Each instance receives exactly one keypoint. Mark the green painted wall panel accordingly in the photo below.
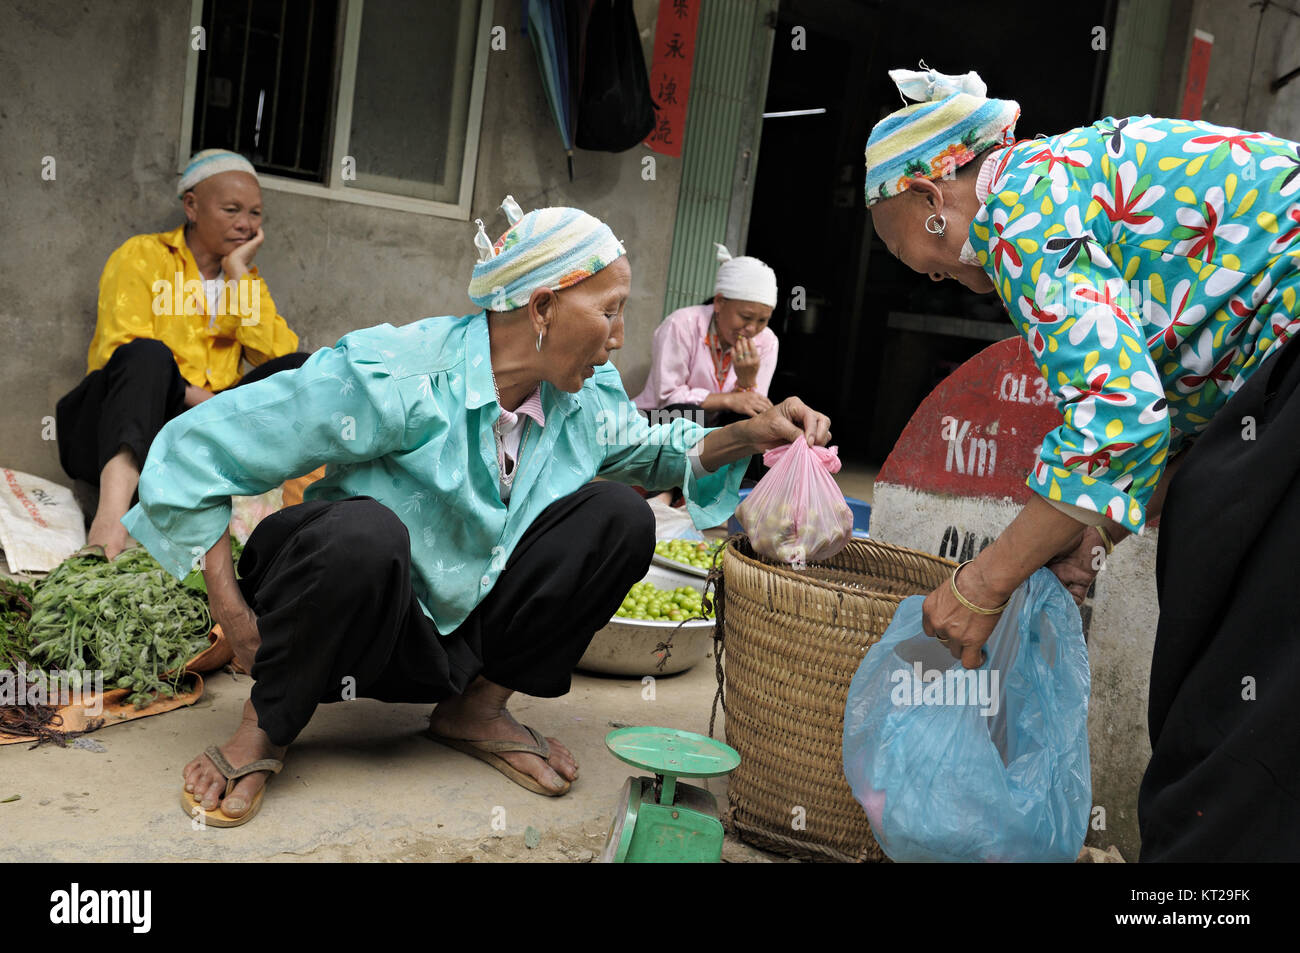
(1136, 57)
(725, 46)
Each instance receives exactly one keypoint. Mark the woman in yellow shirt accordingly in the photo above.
(178, 311)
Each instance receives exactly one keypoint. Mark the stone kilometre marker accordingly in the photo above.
(956, 478)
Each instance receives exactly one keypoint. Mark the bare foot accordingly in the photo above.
(249, 743)
(117, 483)
(478, 716)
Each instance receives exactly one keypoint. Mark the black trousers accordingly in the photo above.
(330, 582)
(1224, 779)
(126, 402)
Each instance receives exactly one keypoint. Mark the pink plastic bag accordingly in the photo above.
(797, 514)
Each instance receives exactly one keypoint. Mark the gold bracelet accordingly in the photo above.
(1105, 539)
(970, 605)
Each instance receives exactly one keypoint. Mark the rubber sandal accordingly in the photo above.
(489, 753)
(219, 818)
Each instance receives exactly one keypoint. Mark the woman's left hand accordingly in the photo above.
(963, 632)
(787, 422)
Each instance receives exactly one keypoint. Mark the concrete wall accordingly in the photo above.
(1236, 95)
(99, 87)
(1283, 116)
(1121, 639)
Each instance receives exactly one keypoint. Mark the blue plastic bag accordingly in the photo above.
(989, 764)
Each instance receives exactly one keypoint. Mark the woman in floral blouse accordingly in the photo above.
(1152, 267)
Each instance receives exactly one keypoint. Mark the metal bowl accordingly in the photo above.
(627, 646)
(674, 566)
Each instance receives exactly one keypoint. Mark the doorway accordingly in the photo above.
(866, 347)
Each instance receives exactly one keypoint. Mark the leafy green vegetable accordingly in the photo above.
(15, 614)
(127, 618)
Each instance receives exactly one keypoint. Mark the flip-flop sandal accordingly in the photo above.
(219, 818)
(489, 753)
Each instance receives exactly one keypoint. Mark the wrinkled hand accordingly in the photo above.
(239, 624)
(196, 395)
(1079, 567)
(748, 402)
(786, 422)
(963, 632)
(236, 264)
(744, 358)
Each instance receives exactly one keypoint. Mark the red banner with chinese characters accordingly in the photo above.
(670, 76)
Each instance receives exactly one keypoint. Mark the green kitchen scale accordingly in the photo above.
(657, 819)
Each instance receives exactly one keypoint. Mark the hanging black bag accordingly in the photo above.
(615, 111)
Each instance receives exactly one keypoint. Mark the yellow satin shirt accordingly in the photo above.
(151, 288)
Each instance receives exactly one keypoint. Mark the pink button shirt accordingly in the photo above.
(511, 425)
(681, 368)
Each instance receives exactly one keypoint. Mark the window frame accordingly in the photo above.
(345, 83)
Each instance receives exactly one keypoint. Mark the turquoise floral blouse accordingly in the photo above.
(1151, 265)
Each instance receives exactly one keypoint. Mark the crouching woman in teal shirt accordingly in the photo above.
(457, 550)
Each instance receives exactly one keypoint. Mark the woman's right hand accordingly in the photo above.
(744, 358)
(748, 402)
(1079, 567)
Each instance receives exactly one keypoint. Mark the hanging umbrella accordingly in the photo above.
(555, 27)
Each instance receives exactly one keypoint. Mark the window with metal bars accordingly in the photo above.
(265, 83)
(370, 101)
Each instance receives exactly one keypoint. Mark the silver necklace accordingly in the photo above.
(507, 479)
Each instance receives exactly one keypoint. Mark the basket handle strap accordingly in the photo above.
(717, 582)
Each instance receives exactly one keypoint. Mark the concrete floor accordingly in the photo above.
(360, 784)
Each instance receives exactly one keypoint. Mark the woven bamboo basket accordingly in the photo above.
(793, 640)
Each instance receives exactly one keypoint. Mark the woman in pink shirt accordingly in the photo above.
(714, 362)
(719, 357)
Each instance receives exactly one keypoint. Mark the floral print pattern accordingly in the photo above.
(1152, 265)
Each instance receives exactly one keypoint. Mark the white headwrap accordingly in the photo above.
(745, 279)
(210, 162)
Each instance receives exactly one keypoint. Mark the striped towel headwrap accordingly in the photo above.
(547, 248)
(210, 162)
(933, 138)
